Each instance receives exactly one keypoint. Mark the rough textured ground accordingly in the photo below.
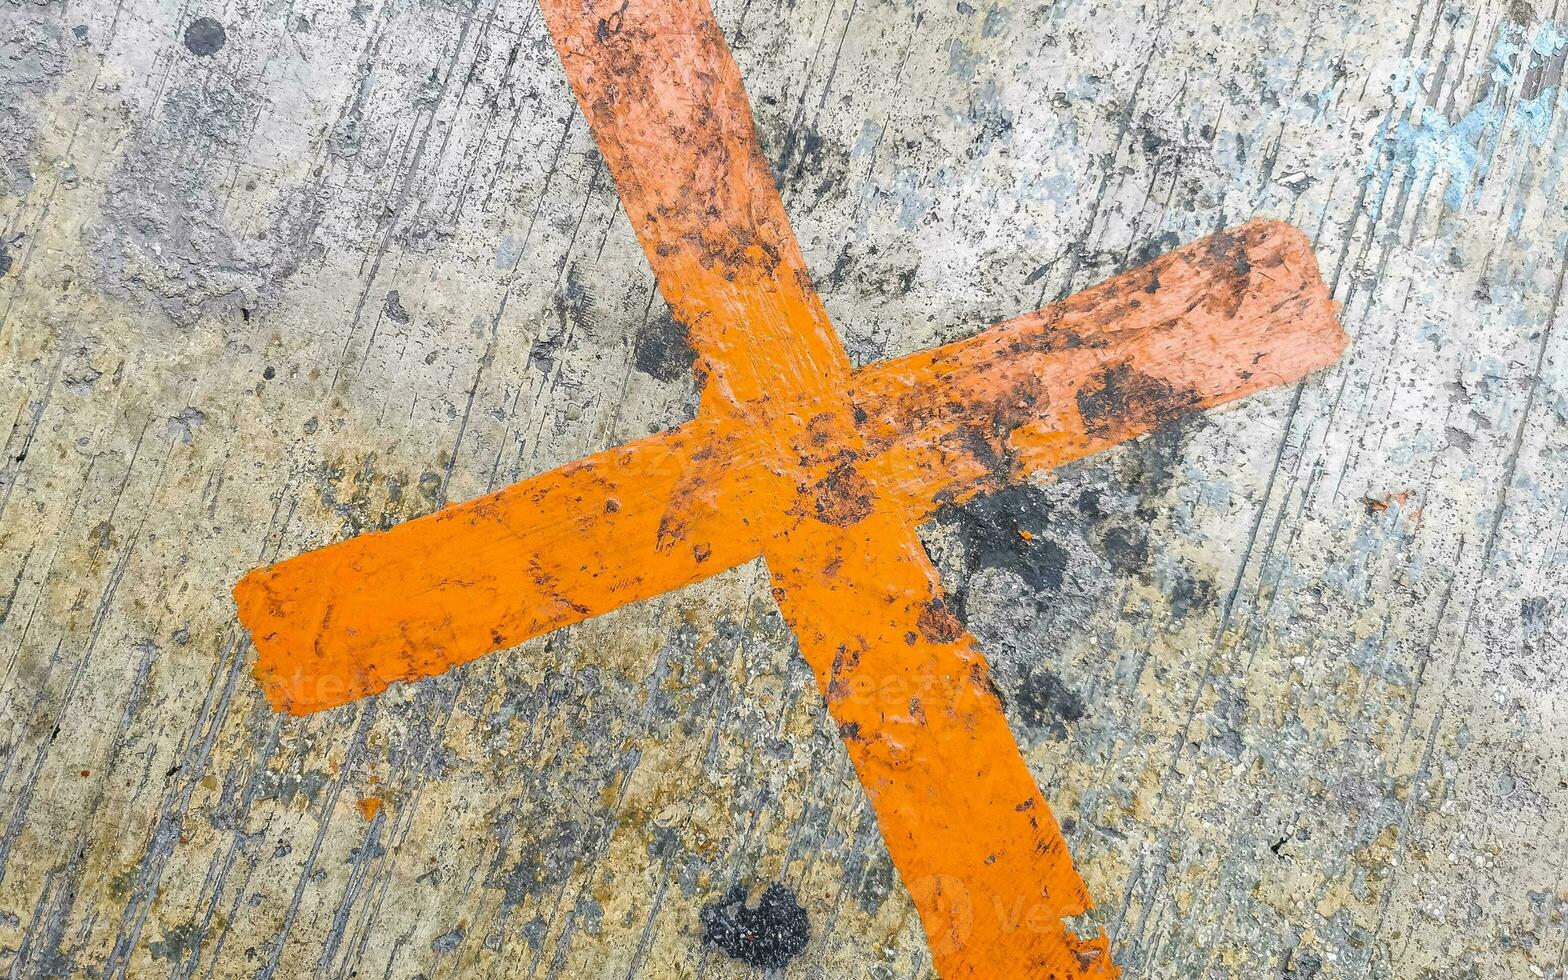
(273, 273)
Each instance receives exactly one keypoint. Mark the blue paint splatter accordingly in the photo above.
(1428, 144)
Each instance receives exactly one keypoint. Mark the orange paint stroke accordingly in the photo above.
(823, 471)
(655, 515)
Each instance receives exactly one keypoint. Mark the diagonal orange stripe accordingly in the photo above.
(1214, 321)
(960, 813)
(342, 622)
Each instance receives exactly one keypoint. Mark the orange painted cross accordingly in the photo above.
(822, 470)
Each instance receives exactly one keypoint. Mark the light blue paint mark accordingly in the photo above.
(866, 143)
(1536, 114)
(1550, 40)
(1086, 88)
(1229, 152)
(1368, 653)
(507, 253)
(1061, 189)
(995, 20)
(962, 63)
(1321, 101)
(1462, 150)
(1420, 446)
(1344, 578)
(913, 202)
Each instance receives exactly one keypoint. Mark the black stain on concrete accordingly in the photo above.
(544, 354)
(1126, 548)
(175, 943)
(1189, 593)
(5, 259)
(394, 307)
(768, 935)
(1024, 530)
(663, 349)
(1153, 250)
(1043, 700)
(1147, 470)
(205, 37)
(1122, 542)
(1303, 965)
(992, 531)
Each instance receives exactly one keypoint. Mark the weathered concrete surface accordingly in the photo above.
(1291, 675)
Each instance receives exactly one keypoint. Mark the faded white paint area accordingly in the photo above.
(274, 274)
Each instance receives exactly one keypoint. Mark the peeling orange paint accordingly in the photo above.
(822, 470)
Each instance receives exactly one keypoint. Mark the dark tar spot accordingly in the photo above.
(663, 350)
(1303, 965)
(767, 936)
(1126, 548)
(1154, 248)
(1189, 594)
(989, 529)
(1043, 700)
(204, 37)
(1534, 612)
(395, 310)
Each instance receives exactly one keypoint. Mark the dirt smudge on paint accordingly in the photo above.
(1120, 395)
